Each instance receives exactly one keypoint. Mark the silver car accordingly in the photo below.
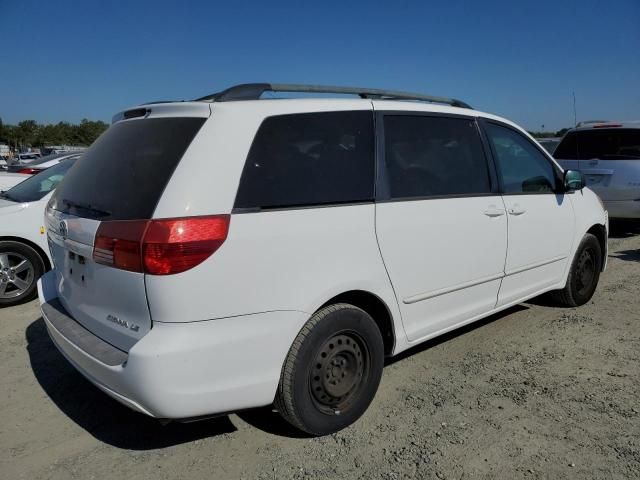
(609, 156)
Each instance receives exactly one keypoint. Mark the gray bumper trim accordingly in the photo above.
(80, 336)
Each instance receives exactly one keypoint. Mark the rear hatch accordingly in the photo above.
(118, 181)
(609, 158)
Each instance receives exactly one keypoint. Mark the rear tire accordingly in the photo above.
(20, 268)
(332, 370)
(583, 276)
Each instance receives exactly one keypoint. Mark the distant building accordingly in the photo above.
(5, 151)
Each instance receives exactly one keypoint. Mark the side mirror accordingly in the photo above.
(574, 180)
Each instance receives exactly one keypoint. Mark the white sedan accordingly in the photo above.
(38, 164)
(24, 254)
(8, 180)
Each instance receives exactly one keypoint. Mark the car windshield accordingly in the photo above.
(36, 187)
(27, 157)
(604, 144)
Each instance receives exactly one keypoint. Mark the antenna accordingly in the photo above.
(575, 125)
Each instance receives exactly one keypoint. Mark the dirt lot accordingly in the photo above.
(535, 392)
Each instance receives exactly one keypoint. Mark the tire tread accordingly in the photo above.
(284, 397)
(565, 297)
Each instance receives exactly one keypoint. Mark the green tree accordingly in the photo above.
(29, 133)
(87, 132)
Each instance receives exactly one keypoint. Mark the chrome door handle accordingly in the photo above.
(494, 212)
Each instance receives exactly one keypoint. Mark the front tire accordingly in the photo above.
(20, 268)
(332, 371)
(584, 274)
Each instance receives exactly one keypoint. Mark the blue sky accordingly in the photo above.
(64, 60)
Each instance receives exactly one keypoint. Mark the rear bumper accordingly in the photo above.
(181, 370)
(623, 208)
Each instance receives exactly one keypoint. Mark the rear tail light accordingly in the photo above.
(159, 247)
(175, 245)
(118, 244)
(29, 171)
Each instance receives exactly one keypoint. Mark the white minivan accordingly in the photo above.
(235, 252)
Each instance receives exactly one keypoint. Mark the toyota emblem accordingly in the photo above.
(63, 229)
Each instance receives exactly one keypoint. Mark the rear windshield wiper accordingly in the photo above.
(97, 212)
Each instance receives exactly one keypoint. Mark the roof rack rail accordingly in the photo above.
(253, 91)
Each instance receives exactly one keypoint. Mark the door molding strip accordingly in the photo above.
(535, 265)
(442, 291)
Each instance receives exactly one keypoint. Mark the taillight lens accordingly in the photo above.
(29, 171)
(160, 247)
(178, 244)
(118, 244)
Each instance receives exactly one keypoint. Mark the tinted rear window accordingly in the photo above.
(123, 174)
(605, 144)
(309, 159)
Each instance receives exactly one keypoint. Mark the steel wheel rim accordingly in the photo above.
(585, 271)
(17, 274)
(339, 372)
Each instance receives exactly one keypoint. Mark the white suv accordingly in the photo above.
(608, 153)
(232, 252)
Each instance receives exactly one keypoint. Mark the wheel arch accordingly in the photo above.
(600, 232)
(35, 246)
(374, 306)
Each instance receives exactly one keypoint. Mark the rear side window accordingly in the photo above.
(123, 174)
(523, 168)
(605, 144)
(434, 156)
(309, 159)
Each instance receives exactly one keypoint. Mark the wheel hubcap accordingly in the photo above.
(16, 274)
(338, 372)
(585, 271)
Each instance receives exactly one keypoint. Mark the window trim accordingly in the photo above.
(242, 210)
(382, 181)
(558, 174)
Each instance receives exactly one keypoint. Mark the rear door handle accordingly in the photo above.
(494, 212)
(517, 210)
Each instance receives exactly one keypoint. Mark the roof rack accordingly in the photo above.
(253, 91)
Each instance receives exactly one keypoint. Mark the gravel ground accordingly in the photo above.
(534, 392)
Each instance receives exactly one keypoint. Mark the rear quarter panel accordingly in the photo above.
(294, 259)
(279, 260)
(27, 223)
